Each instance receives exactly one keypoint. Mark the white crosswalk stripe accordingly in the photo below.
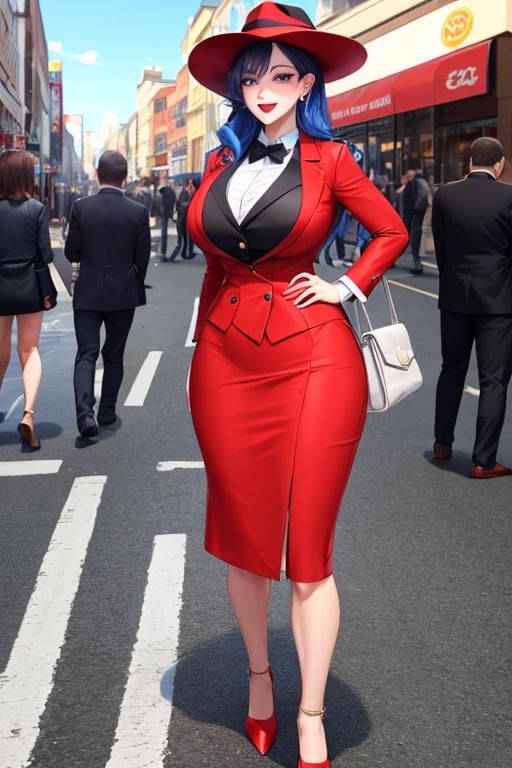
(33, 467)
(142, 383)
(146, 709)
(27, 680)
(26, 684)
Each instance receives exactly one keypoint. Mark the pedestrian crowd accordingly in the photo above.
(486, 295)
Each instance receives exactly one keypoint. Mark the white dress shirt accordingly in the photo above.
(249, 183)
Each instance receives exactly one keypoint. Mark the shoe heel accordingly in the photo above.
(27, 432)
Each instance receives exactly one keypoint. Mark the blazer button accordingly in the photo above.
(267, 296)
(242, 246)
(234, 299)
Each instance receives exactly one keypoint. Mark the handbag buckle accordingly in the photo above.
(403, 356)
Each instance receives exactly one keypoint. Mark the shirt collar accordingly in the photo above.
(110, 186)
(289, 139)
(482, 170)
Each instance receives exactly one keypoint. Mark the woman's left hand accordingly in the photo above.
(305, 289)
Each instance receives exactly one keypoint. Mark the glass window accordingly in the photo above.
(417, 151)
(160, 143)
(452, 147)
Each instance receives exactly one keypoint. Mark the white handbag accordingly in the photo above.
(391, 366)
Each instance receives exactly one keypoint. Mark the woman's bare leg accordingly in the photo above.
(250, 596)
(5, 344)
(29, 330)
(315, 617)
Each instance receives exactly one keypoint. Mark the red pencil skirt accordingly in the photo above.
(278, 426)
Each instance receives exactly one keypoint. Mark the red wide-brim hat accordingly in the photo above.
(210, 60)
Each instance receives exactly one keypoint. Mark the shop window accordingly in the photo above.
(417, 131)
(453, 143)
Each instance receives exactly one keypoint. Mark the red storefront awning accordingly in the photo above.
(457, 76)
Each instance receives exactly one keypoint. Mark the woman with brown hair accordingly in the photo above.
(24, 234)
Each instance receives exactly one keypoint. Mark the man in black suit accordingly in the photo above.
(168, 196)
(184, 242)
(109, 236)
(472, 229)
(414, 206)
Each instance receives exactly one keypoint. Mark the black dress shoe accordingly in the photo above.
(88, 428)
(106, 420)
(416, 271)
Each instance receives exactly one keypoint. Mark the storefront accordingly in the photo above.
(426, 116)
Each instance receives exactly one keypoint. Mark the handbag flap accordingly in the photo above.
(392, 345)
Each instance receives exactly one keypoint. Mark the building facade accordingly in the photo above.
(437, 77)
(24, 85)
(150, 82)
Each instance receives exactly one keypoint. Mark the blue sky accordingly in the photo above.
(104, 46)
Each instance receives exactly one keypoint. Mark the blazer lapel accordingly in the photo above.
(312, 179)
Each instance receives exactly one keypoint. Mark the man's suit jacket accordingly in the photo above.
(472, 229)
(168, 201)
(109, 236)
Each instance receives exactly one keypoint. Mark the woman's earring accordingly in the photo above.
(302, 98)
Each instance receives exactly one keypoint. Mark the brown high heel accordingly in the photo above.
(262, 733)
(313, 713)
(26, 430)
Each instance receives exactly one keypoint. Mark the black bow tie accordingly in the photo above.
(276, 152)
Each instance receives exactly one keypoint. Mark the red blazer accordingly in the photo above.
(250, 295)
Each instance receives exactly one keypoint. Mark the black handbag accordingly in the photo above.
(19, 288)
(47, 289)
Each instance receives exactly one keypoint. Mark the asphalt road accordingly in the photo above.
(118, 646)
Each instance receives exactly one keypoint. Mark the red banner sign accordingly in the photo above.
(451, 78)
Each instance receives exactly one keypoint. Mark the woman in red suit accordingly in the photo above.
(274, 342)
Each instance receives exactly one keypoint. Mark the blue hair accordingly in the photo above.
(242, 126)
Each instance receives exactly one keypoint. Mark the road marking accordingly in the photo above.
(413, 289)
(27, 680)
(62, 291)
(142, 383)
(34, 467)
(472, 391)
(168, 466)
(13, 407)
(142, 729)
(192, 325)
(98, 381)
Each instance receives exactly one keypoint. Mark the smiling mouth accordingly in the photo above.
(266, 107)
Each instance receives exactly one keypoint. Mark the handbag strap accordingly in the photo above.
(360, 308)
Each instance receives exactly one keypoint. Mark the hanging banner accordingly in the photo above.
(56, 126)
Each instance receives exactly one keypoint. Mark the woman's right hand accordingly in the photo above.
(306, 288)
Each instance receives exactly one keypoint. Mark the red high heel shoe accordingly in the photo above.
(262, 733)
(313, 713)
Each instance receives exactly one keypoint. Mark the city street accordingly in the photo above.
(118, 648)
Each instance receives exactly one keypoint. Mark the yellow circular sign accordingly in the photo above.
(456, 27)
